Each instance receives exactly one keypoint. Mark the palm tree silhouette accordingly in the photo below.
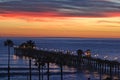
(8, 43)
(30, 44)
(80, 52)
(23, 45)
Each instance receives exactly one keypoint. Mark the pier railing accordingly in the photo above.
(112, 68)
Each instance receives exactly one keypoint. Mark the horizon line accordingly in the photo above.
(58, 37)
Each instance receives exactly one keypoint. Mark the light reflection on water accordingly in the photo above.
(96, 75)
(100, 47)
(79, 75)
(15, 57)
(69, 69)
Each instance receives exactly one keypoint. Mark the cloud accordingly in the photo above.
(115, 1)
(62, 8)
(2, 1)
(105, 21)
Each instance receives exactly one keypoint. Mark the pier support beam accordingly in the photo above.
(39, 71)
(8, 72)
(110, 70)
(61, 69)
(42, 72)
(8, 63)
(48, 71)
(30, 72)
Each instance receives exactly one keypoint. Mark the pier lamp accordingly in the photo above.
(115, 58)
(96, 55)
(45, 49)
(41, 48)
(105, 57)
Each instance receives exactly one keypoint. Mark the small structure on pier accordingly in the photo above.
(88, 53)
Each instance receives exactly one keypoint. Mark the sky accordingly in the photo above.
(60, 18)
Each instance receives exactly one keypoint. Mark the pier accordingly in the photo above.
(111, 68)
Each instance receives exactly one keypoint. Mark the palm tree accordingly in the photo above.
(30, 44)
(23, 45)
(79, 59)
(80, 52)
(8, 43)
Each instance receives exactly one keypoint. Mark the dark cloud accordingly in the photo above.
(85, 8)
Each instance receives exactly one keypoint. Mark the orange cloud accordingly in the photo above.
(36, 16)
(113, 14)
(50, 25)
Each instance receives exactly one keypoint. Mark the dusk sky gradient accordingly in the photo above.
(60, 18)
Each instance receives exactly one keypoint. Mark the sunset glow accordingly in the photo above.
(65, 22)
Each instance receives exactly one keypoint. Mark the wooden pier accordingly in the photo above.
(112, 68)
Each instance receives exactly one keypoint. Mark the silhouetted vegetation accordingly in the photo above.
(9, 43)
(28, 44)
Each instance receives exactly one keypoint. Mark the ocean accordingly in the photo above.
(103, 48)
